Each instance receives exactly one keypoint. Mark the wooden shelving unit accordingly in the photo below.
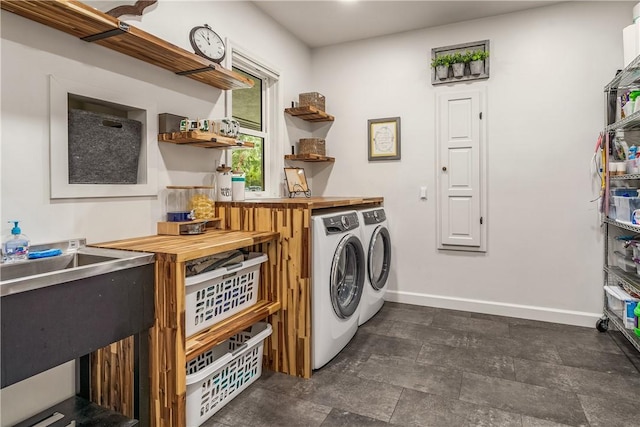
(310, 114)
(169, 348)
(203, 139)
(309, 158)
(91, 25)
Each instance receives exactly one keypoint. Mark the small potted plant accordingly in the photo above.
(476, 65)
(457, 60)
(441, 64)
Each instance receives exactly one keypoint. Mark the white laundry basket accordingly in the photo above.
(219, 375)
(218, 294)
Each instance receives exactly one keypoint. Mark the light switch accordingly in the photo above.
(423, 193)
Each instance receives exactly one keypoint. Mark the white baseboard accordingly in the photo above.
(545, 314)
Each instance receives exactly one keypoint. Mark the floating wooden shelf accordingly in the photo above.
(89, 24)
(309, 158)
(204, 340)
(203, 139)
(310, 114)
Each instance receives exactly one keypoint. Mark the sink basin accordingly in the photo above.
(76, 263)
(60, 308)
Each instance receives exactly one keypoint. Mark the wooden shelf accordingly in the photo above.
(310, 114)
(203, 139)
(309, 158)
(204, 340)
(89, 24)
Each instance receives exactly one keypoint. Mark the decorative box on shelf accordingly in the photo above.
(312, 99)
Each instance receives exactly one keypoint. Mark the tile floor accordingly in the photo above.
(422, 366)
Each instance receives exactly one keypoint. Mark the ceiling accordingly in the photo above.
(323, 23)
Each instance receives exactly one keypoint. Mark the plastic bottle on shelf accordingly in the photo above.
(16, 246)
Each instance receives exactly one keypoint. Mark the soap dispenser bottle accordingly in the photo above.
(16, 247)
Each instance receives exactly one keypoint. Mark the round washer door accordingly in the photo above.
(347, 276)
(379, 257)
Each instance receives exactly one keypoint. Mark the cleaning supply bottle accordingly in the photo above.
(16, 247)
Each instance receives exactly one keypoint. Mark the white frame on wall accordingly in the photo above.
(142, 111)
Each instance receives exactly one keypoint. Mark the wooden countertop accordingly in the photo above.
(308, 202)
(189, 247)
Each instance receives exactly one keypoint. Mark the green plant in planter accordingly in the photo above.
(457, 58)
(458, 64)
(479, 55)
(441, 60)
(476, 66)
(467, 57)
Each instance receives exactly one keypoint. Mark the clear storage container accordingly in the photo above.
(177, 203)
(202, 202)
(625, 208)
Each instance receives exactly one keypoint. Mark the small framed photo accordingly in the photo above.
(384, 139)
(296, 180)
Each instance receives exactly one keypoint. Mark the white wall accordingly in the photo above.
(545, 110)
(30, 52)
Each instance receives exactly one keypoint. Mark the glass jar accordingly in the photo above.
(177, 203)
(202, 202)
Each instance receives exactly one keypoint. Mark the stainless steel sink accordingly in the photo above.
(76, 262)
(60, 308)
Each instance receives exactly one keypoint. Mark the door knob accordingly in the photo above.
(444, 168)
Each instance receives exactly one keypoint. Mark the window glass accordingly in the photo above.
(251, 162)
(247, 103)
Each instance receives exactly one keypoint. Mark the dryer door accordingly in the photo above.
(347, 276)
(379, 257)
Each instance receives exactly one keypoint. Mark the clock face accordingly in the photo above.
(207, 43)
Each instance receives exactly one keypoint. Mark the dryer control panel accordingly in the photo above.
(341, 223)
(374, 217)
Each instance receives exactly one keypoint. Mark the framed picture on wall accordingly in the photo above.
(384, 139)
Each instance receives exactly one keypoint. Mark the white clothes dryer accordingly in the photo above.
(338, 272)
(377, 246)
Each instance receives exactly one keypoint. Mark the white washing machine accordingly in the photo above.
(338, 272)
(377, 247)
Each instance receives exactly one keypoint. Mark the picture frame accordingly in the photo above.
(296, 181)
(384, 139)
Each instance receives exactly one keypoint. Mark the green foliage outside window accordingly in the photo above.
(249, 161)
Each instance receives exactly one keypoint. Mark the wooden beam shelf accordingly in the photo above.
(89, 24)
(206, 339)
(310, 114)
(309, 158)
(203, 139)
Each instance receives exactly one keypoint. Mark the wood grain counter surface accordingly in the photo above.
(307, 202)
(188, 247)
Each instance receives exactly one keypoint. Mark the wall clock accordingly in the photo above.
(207, 43)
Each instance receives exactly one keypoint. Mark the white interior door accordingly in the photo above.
(459, 136)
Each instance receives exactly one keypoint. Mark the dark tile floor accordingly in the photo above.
(422, 366)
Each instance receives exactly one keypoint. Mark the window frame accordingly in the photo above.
(273, 157)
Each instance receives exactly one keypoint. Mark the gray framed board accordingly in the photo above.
(461, 48)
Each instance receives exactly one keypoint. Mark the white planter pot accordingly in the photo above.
(477, 67)
(458, 69)
(442, 71)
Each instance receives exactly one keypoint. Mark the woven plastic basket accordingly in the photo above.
(217, 376)
(218, 294)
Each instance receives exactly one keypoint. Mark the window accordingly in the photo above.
(254, 109)
(248, 110)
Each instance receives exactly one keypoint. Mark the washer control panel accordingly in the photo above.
(374, 217)
(341, 223)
